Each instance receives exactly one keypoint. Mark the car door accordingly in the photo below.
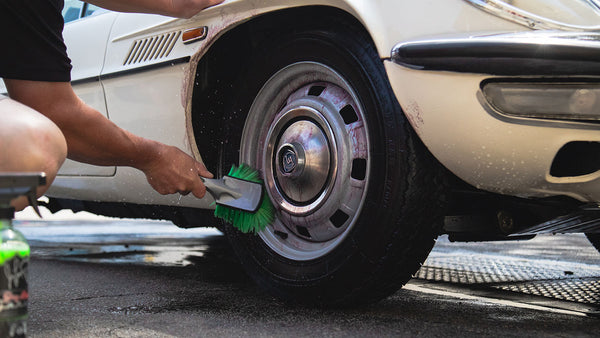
(86, 32)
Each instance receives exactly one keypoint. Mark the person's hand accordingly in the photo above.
(173, 171)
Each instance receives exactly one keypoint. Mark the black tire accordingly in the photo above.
(595, 240)
(386, 240)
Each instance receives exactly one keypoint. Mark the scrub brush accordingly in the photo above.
(241, 200)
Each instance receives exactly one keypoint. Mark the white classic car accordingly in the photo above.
(404, 120)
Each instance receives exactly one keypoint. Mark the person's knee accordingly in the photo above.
(29, 141)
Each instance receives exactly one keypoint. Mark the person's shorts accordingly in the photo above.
(32, 44)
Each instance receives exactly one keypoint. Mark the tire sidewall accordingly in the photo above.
(358, 255)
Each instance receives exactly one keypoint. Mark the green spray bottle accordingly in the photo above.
(14, 253)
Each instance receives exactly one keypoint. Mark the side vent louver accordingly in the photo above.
(152, 48)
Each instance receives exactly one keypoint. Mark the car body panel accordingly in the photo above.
(505, 156)
(157, 103)
(490, 150)
(150, 95)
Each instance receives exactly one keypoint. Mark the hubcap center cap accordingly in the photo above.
(290, 160)
(302, 161)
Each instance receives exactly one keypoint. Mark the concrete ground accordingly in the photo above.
(93, 277)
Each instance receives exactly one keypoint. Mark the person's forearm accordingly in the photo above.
(93, 139)
(174, 8)
(164, 7)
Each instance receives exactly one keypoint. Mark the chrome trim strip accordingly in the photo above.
(163, 64)
(528, 19)
(113, 75)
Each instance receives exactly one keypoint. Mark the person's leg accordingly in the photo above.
(29, 142)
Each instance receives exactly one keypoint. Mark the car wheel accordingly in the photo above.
(358, 197)
(595, 240)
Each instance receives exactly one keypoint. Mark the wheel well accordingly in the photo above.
(222, 68)
(221, 73)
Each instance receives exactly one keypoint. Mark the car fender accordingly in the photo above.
(130, 50)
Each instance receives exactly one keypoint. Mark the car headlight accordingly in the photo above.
(546, 14)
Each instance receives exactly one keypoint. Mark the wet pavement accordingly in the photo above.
(123, 278)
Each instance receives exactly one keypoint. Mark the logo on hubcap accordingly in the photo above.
(289, 161)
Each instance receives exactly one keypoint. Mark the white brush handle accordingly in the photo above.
(217, 188)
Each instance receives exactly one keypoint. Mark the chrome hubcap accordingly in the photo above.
(307, 134)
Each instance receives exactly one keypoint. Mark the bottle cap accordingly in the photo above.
(7, 212)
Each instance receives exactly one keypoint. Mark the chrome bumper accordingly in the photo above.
(541, 53)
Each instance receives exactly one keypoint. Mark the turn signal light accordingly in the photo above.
(547, 100)
(194, 34)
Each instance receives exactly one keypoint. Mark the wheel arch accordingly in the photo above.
(347, 58)
(223, 64)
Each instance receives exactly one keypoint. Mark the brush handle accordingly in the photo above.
(217, 188)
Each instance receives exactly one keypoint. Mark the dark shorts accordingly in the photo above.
(32, 44)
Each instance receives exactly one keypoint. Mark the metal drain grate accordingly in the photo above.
(560, 280)
(575, 290)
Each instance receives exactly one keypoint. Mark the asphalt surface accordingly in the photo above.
(123, 278)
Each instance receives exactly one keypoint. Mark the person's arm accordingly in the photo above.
(92, 138)
(175, 8)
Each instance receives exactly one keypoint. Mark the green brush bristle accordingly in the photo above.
(247, 221)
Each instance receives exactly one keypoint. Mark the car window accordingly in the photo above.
(89, 10)
(75, 9)
(72, 10)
